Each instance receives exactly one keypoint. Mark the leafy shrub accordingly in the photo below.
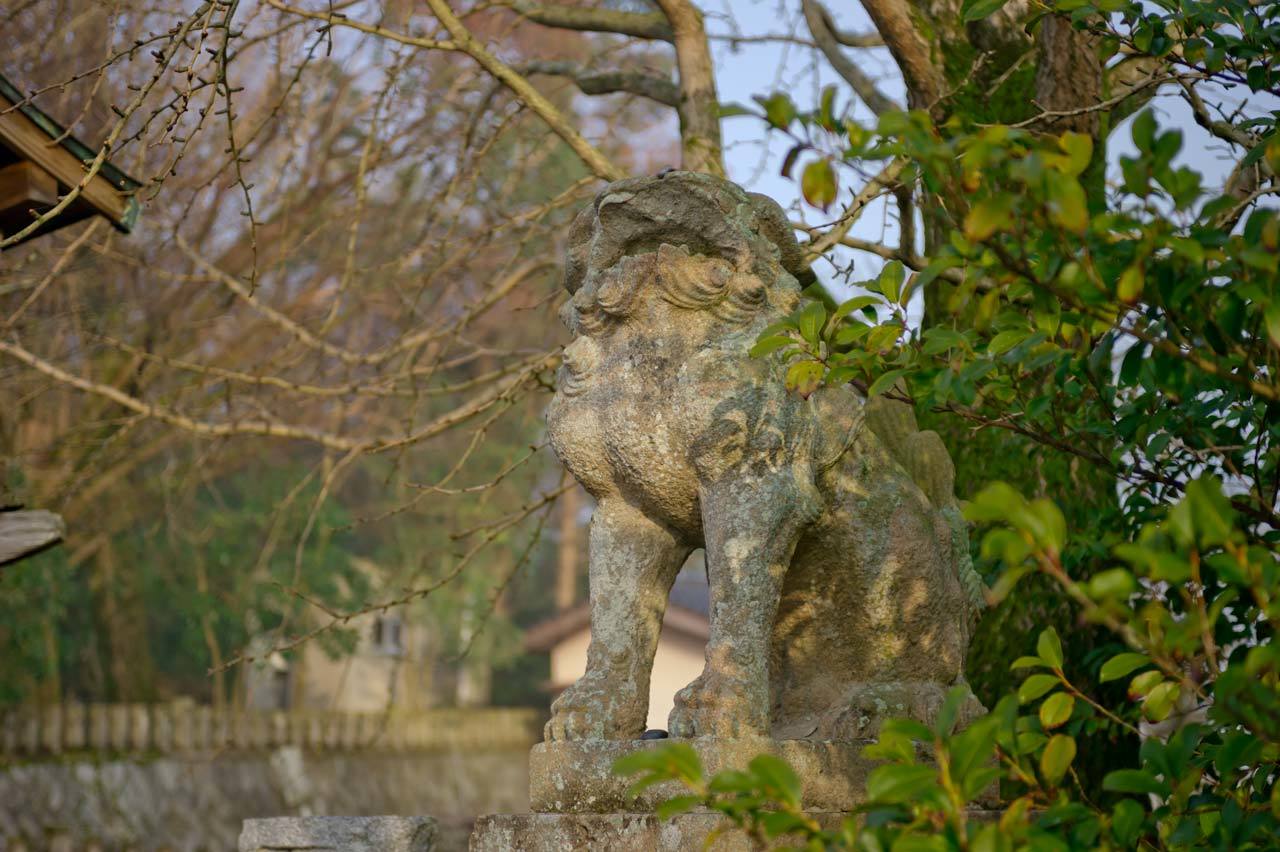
(1137, 331)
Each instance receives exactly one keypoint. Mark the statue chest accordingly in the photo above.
(622, 433)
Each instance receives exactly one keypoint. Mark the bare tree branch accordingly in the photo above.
(892, 19)
(528, 95)
(884, 180)
(608, 82)
(335, 19)
(851, 39)
(819, 21)
(637, 24)
(701, 147)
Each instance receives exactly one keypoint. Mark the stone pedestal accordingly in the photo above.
(577, 777)
(339, 834)
(618, 832)
(580, 804)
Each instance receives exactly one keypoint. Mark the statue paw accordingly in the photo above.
(719, 706)
(573, 724)
(587, 710)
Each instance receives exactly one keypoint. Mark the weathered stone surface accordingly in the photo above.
(577, 777)
(841, 589)
(621, 832)
(199, 801)
(339, 834)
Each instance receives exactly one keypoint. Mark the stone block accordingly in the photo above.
(577, 776)
(621, 832)
(339, 834)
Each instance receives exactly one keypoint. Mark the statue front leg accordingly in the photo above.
(751, 525)
(633, 562)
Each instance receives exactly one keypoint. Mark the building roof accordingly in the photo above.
(58, 160)
(686, 614)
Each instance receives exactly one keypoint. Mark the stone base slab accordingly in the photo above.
(621, 832)
(339, 834)
(577, 777)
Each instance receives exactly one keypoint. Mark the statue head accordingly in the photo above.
(683, 242)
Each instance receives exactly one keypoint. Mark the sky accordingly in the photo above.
(754, 159)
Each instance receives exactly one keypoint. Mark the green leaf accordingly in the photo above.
(733, 781)
(1027, 663)
(893, 784)
(777, 778)
(1006, 340)
(730, 110)
(1130, 284)
(851, 332)
(778, 823)
(885, 381)
(1079, 150)
(683, 761)
(827, 108)
(1035, 686)
(987, 217)
(1272, 318)
(810, 321)
(1122, 665)
(1112, 583)
(890, 280)
(1144, 131)
(1214, 518)
(1134, 781)
(976, 10)
(1049, 647)
(818, 183)
(803, 377)
(769, 345)
(1056, 710)
(973, 747)
(1144, 683)
(909, 728)
(1160, 701)
(883, 338)
(1067, 206)
(779, 110)
(644, 760)
(677, 805)
(1126, 823)
(955, 699)
(1057, 757)
(789, 161)
(857, 303)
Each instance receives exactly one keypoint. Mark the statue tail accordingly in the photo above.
(925, 458)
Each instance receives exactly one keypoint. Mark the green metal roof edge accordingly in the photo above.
(77, 149)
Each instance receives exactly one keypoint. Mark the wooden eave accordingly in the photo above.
(28, 135)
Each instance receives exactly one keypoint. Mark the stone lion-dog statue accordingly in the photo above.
(840, 582)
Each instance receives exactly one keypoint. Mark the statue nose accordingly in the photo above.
(581, 314)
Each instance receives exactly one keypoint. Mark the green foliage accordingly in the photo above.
(1134, 338)
(1204, 650)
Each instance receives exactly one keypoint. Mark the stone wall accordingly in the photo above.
(190, 800)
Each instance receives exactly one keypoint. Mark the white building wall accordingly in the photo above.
(679, 660)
